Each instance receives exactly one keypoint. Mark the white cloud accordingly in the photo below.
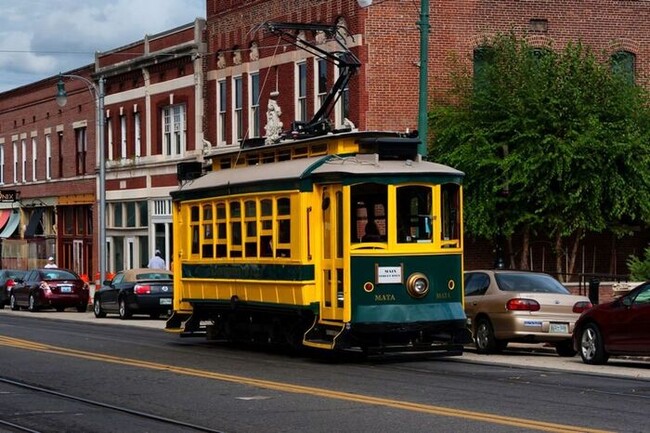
(40, 38)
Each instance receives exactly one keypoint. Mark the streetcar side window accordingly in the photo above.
(368, 222)
(195, 218)
(207, 245)
(450, 214)
(414, 214)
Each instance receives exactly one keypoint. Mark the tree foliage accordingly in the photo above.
(640, 267)
(552, 142)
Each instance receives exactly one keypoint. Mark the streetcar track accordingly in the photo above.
(486, 417)
(95, 403)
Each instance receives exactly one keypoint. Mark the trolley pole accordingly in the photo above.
(423, 115)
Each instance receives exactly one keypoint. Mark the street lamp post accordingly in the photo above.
(98, 95)
(423, 115)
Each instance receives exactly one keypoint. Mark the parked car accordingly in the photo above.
(136, 291)
(50, 288)
(7, 280)
(530, 307)
(619, 327)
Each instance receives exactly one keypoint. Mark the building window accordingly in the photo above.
(34, 158)
(482, 57)
(624, 64)
(223, 107)
(238, 105)
(174, 130)
(137, 134)
(123, 151)
(301, 91)
(2, 164)
(60, 149)
(342, 108)
(23, 145)
(321, 82)
(109, 139)
(254, 103)
(15, 145)
(48, 157)
(81, 149)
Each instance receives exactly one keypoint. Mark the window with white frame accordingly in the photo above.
(342, 108)
(238, 106)
(301, 91)
(2, 164)
(48, 156)
(137, 134)
(23, 145)
(123, 151)
(254, 103)
(15, 144)
(223, 107)
(320, 86)
(34, 158)
(81, 146)
(174, 130)
(109, 138)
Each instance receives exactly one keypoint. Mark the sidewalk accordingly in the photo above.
(517, 355)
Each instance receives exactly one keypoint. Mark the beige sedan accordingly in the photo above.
(529, 307)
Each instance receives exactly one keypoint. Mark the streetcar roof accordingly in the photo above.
(297, 169)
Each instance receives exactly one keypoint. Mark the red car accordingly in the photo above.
(620, 327)
(50, 288)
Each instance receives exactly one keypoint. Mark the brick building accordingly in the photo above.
(192, 91)
(247, 63)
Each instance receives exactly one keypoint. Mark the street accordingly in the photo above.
(229, 388)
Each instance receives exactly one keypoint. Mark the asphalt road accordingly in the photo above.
(134, 365)
(517, 355)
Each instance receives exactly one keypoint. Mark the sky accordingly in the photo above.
(40, 38)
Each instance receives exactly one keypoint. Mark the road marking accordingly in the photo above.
(299, 389)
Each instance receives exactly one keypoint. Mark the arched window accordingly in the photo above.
(624, 63)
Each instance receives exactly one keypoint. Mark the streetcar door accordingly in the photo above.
(332, 263)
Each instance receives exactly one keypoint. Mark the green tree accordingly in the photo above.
(640, 267)
(554, 144)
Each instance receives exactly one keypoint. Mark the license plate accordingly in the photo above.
(165, 301)
(65, 289)
(558, 328)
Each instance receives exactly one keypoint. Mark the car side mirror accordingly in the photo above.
(107, 282)
(627, 301)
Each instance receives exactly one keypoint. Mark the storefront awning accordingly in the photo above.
(12, 224)
(34, 222)
(4, 217)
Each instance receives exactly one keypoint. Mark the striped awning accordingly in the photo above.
(11, 225)
(4, 217)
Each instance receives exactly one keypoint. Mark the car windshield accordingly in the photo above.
(535, 283)
(153, 276)
(57, 274)
(15, 274)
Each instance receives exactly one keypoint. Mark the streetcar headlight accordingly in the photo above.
(417, 285)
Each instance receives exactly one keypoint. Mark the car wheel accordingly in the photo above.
(13, 304)
(123, 309)
(31, 306)
(59, 309)
(2, 305)
(485, 340)
(97, 309)
(592, 350)
(565, 349)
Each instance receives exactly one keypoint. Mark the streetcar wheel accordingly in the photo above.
(31, 306)
(592, 350)
(123, 310)
(13, 304)
(97, 309)
(485, 340)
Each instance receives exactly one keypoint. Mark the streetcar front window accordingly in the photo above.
(369, 222)
(414, 214)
